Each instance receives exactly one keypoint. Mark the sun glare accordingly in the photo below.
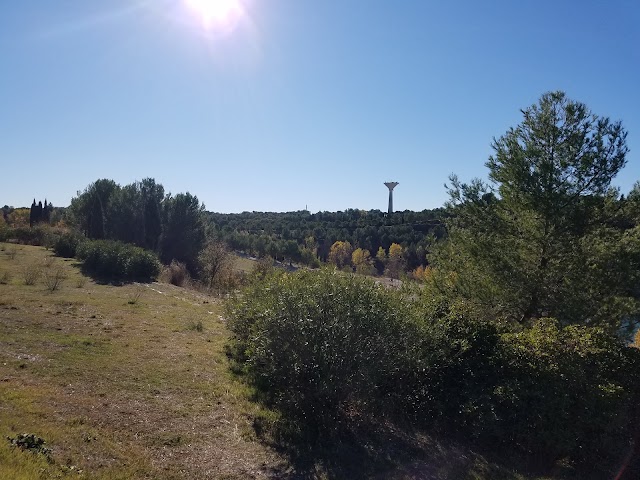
(217, 14)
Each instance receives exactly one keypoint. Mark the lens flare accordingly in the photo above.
(221, 15)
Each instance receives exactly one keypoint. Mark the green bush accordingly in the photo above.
(66, 245)
(30, 442)
(321, 346)
(326, 348)
(454, 367)
(546, 391)
(39, 235)
(117, 261)
(565, 392)
(142, 264)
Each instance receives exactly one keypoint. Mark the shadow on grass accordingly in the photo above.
(107, 279)
(378, 450)
(382, 449)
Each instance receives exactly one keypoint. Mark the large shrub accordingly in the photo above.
(117, 261)
(321, 346)
(565, 392)
(326, 348)
(66, 244)
(546, 391)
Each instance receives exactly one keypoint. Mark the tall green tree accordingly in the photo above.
(90, 209)
(125, 221)
(183, 230)
(152, 195)
(535, 240)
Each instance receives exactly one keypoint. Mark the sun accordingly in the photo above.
(217, 13)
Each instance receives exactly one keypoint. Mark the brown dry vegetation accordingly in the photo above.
(120, 388)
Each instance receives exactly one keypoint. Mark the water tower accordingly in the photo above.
(391, 186)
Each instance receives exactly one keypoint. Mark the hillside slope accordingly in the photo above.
(121, 381)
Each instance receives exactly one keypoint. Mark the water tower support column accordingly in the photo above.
(391, 186)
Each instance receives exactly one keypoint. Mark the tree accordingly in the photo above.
(291, 251)
(524, 244)
(381, 259)
(152, 195)
(33, 213)
(421, 274)
(90, 209)
(46, 211)
(130, 214)
(340, 254)
(361, 259)
(395, 262)
(17, 217)
(125, 216)
(215, 262)
(183, 231)
(308, 253)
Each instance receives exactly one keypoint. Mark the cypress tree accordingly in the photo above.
(32, 213)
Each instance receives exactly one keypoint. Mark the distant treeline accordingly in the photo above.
(176, 227)
(39, 212)
(291, 234)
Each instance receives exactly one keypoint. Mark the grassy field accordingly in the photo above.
(244, 264)
(121, 381)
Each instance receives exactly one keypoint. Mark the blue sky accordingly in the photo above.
(295, 102)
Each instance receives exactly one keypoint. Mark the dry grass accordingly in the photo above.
(54, 277)
(11, 251)
(244, 264)
(121, 389)
(31, 273)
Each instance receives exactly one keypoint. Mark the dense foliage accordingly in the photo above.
(41, 235)
(326, 349)
(176, 227)
(318, 344)
(547, 391)
(114, 260)
(183, 232)
(303, 236)
(548, 236)
(141, 214)
(67, 244)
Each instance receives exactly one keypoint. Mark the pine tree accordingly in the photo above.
(529, 243)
